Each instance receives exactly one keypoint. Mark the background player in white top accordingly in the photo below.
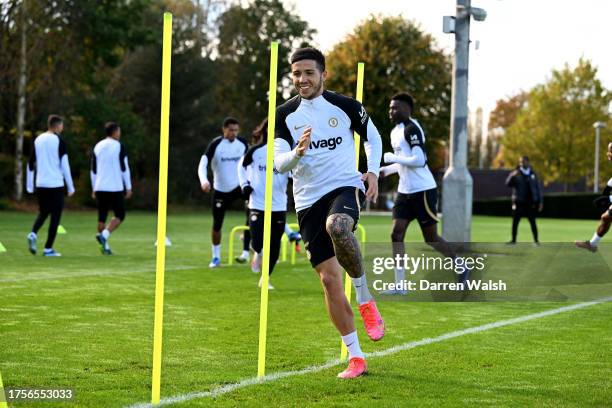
(223, 154)
(417, 195)
(292, 236)
(605, 203)
(314, 139)
(252, 175)
(48, 169)
(110, 181)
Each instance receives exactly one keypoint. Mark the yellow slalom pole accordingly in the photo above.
(347, 279)
(161, 209)
(265, 266)
(3, 403)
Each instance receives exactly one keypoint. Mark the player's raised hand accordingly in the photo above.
(205, 186)
(304, 142)
(372, 181)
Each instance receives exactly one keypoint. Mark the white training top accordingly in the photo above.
(252, 171)
(223, 157)
(330, 162)
(408, 158)
(109, 167)
(49, 160)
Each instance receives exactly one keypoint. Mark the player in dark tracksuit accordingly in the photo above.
(527, 198)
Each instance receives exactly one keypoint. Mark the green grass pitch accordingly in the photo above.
(85, 321)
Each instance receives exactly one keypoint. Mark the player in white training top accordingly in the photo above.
(223, 154)
(314, 139)
(252, 175)
(48, 169)
(417, 192)
(110, 182)
(605, 204)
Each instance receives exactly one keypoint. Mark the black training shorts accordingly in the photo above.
(422, 205)
(110, 200)
(222, 201)
(312, 220)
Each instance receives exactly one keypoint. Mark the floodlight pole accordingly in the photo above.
(598, 126)
(457, 182)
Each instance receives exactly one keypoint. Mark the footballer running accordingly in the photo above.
(314, 140)
(605, 203)
(417, 191)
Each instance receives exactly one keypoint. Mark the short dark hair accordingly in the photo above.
(110, 128)
(525, 158)
(404, 97)
(230, 121)
(309, 53)
(54, 120)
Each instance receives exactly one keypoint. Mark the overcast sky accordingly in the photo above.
(521, 41)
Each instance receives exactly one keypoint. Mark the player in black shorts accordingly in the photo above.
(252, 176)
(605, 204)
(223, 154)
(314, 139)
(417, 190)
(110, 182)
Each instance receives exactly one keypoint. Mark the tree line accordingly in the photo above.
(552, 123)
(94, 62)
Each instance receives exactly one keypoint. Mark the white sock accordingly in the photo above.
(595, 240)
(47, 250)
(361, 290)
(287, 229)
(32, 235)
(216, 250)
(245, 254)
(400, 275)
(106, 233)
(351, 341)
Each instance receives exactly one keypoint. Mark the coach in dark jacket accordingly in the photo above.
(527, 198)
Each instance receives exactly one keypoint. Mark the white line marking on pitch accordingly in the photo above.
(396, 349)
(51, 276)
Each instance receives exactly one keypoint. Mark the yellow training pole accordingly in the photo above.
(265, 266)
(161, 209)
(3, 403)
(347, 280)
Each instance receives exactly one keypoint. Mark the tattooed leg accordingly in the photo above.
(340, 229)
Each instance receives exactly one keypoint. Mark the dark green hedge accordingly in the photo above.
(570, 205)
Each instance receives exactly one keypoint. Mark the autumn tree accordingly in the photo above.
(501, 117)
(475, 139)
(398, 56)
(556, 127)
(53, 56)
(245, 33)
